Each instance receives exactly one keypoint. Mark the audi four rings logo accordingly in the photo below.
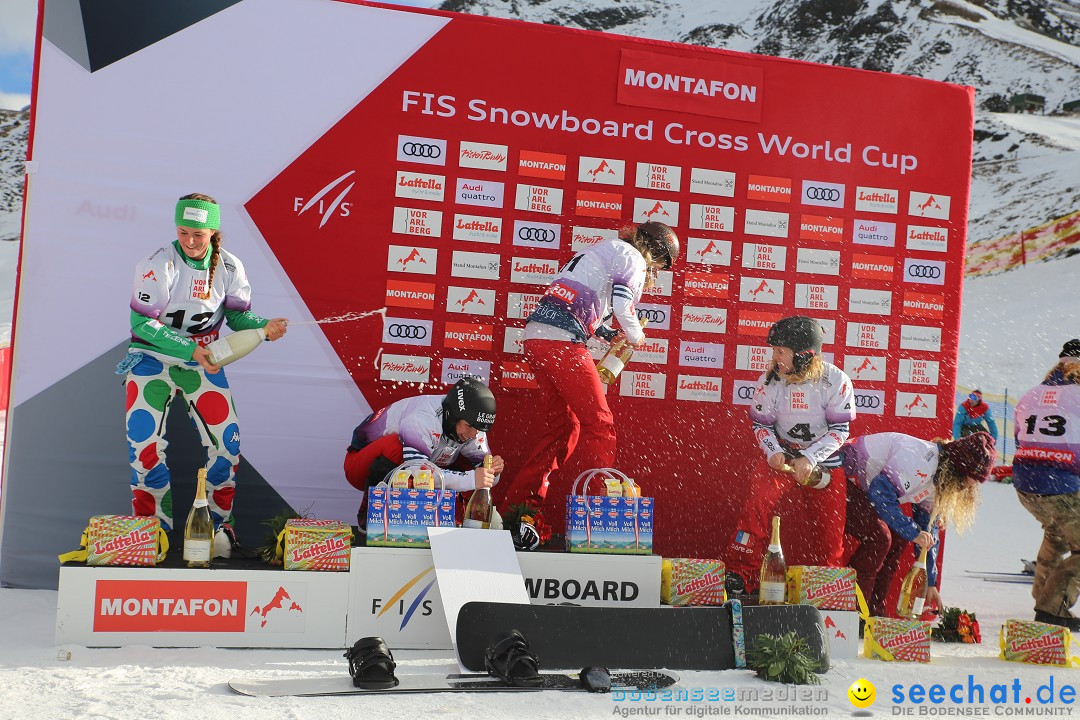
(536, 234)
(653, 316)
(867, 401)
(924, 271)
(745, 392)
(820, 193)
(421, 150)
(407, 331)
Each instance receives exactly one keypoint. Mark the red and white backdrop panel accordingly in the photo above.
(444, 166)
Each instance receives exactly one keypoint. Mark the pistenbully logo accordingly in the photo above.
(327, 210)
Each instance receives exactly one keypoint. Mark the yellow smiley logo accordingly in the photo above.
(862, 693)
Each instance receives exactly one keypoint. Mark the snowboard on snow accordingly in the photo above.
(301, 687)
(681, 638)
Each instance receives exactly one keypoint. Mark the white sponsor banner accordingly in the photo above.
(814, 296)
(658, 316)
(829, 326)
(416, 221)
(873, 232)
(651, 176)
(865, 367)
(453, 369)
(533, 271)
(929, 205)
(753, 357)
(708, 251)
(649, 209)
(879, 200)
(918, 372)
(601, 171)
(418, 186)
(704, 319)
(596, 347)
(769, 224)
(742, 392)
(759, 256)
(867, 336)
(474, 301)
(926, 272)
(486, 193)
(411, 259)
(513, 340)
(404, 368)
(663, 284)
(922, 405)
(406, 331)
(869, 402)
(478, 228)
(585, 237)
(483, 156)
(930, 239)
(699, 389)
(918, 337)
(761, 290)
(718, 218)
(653, 351)
(520, 305)
(484, 266)
(699, 354)
(642, 384)
(712, 182)
(825, 194)
(428, 151)
(819, 262)
(871, 302)
(537, 234)
(537, 198)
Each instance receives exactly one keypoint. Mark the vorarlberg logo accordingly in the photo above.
(397, 600)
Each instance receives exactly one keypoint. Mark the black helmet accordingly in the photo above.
(802, 335)
(469, 400)
(661, 241)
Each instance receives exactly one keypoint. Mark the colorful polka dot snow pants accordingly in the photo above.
(151, 388)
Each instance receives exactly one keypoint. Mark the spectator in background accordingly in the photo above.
(972, 414)
(1046, 475)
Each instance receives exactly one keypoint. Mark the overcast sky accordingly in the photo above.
(18, 25)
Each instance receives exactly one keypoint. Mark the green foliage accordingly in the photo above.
(784, 659)
(274, 527)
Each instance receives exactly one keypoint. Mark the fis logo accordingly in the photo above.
(397, 601)
(327, 209)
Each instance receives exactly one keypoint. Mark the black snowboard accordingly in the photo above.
(342, 685)
(680, 638)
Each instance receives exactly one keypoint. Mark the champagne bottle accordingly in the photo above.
(615, 359)
(478, 511)
(234, 346)
(913, 590)
(773, 587)
(199, 529)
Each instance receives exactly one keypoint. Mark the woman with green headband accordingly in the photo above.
(183, 292)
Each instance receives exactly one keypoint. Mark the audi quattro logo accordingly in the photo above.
(744, 392)
(398, 330)
(867, 401)
(428, 151)
(819, 193)
(924, 271)
(421, 150)
(931, 272)
(407, 332)
(653, 315)
(536, 234)
(822, 193)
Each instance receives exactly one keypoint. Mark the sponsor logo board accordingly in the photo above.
(708, 251)
(483, 156)
(537, 234)
(866, 368)
(879, 200)
(699, 389)
(411, 259)
(419, 186)
(404, 368)
(761, 290)
(818, 262)
(712, 182)
(825, 194)
(769, 224)
(919, 337)
(718, 218)
(601, 171)
(537, 198)
(427, 151)
(760, 256)
(871, 302)
(699, 354)
(478, 228)
(815, 296)
(642, 384)
(483, 266)
(416, 221)
(918, 372)
(704, 319)
(474, 301)
(920, 405)
(651, 176)
(867, 336)
(454, 369)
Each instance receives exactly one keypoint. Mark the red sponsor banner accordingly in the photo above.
(707, 285)
(400, 293)
(542, 165)
(702, 85)
(924, 305)
(469, 336)
(771, 189)
(169, 606)
(598, 204)
(518, 375)
(872, 267)
(818, 227)
(756, 323)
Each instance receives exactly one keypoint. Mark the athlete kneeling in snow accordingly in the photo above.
(443, 429)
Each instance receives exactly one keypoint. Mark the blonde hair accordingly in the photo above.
(956, 497)
(215, 243)
(813, 372)
(1069, 370)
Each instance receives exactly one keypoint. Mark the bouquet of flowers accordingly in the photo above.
(519, 518)
(957, 626)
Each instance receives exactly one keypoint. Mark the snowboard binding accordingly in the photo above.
(508, 658)
(371, 664)
(595, 679)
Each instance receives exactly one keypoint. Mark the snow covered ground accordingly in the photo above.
(38, 680)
